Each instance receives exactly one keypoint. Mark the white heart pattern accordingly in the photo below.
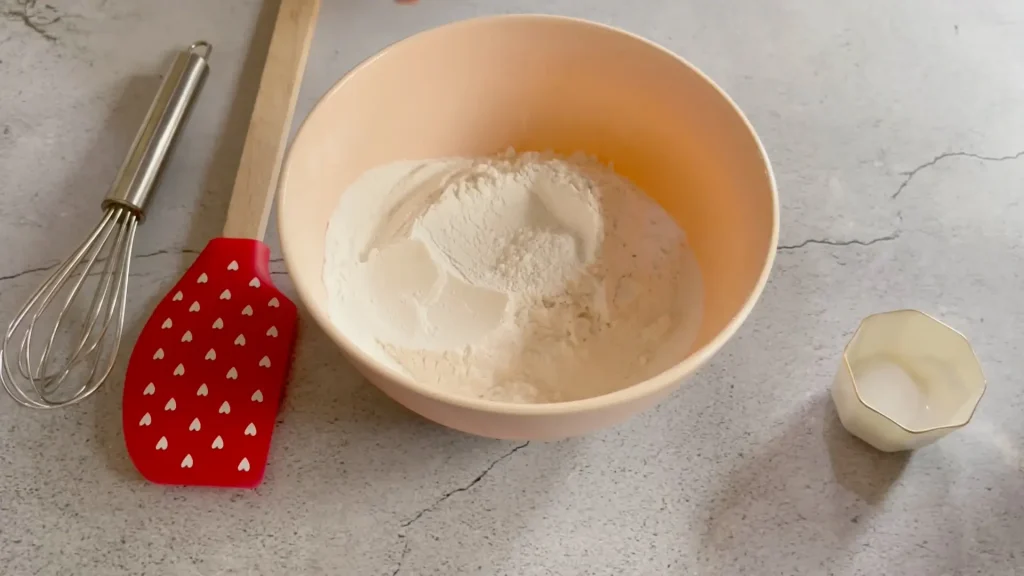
(178, 296)
(255, 282)
(232, 374)
(233, 265)
(272, 332)
(225, 295)
(225, 408)
(265, 362)
(187, 462)
(161, 444)
(250, 430)
(179, 370)
(159, 354)
(167, 324)
(202, 278)
(211, 355)
(171, 405)
(218, 324)
(218, 443)
(194, 307)
(194, 426)
(273, 303)
(203, 390)
(150, 390)
(240, 341)
(187, 336)
(247, 311)
(146, 420)
(243, 466)
(257, 396)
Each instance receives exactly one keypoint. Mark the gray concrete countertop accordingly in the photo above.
(896, 130)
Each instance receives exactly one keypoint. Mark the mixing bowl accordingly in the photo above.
(532, 82)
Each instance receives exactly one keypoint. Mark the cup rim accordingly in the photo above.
(866, 404)
(631, 393)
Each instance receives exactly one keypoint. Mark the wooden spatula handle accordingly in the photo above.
(260, 167)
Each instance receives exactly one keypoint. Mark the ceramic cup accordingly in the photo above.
(906, 380)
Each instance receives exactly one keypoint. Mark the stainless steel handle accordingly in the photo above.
(141, 168)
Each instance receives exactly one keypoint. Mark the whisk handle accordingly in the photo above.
(141, 168)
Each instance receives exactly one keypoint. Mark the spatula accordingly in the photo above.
(207, 374)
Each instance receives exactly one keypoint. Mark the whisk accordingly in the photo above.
(43, 377)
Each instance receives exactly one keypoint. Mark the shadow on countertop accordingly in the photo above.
(218, 183)
(807, 490)
(856, 465)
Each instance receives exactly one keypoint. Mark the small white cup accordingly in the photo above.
(906, 380)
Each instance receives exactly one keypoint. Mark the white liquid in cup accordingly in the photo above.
(913, 394)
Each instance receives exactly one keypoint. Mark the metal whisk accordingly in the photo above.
(49, 373)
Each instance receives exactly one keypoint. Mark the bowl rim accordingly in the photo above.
(629, 394)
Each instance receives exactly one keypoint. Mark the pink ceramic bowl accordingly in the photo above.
(479, 86)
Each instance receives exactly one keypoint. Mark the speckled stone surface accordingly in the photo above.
(896, 130)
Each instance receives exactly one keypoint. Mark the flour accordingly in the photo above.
(520, 278)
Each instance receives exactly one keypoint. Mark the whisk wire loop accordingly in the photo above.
(46, 377)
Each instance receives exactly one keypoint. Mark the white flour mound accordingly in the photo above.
(518, 278)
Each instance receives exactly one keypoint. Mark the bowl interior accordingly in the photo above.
(543, 83)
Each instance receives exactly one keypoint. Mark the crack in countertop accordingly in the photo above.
(47, 267)
(466, 488)
(910, 175)
(828, 242)
(401, 559)
(32, 19)
(903, 185)
(28, 271)
(479, 477)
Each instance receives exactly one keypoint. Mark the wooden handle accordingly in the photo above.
(260, 167)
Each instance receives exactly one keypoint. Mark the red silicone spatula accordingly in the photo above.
(207, 374)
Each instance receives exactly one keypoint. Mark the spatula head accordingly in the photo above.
(208, 372)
